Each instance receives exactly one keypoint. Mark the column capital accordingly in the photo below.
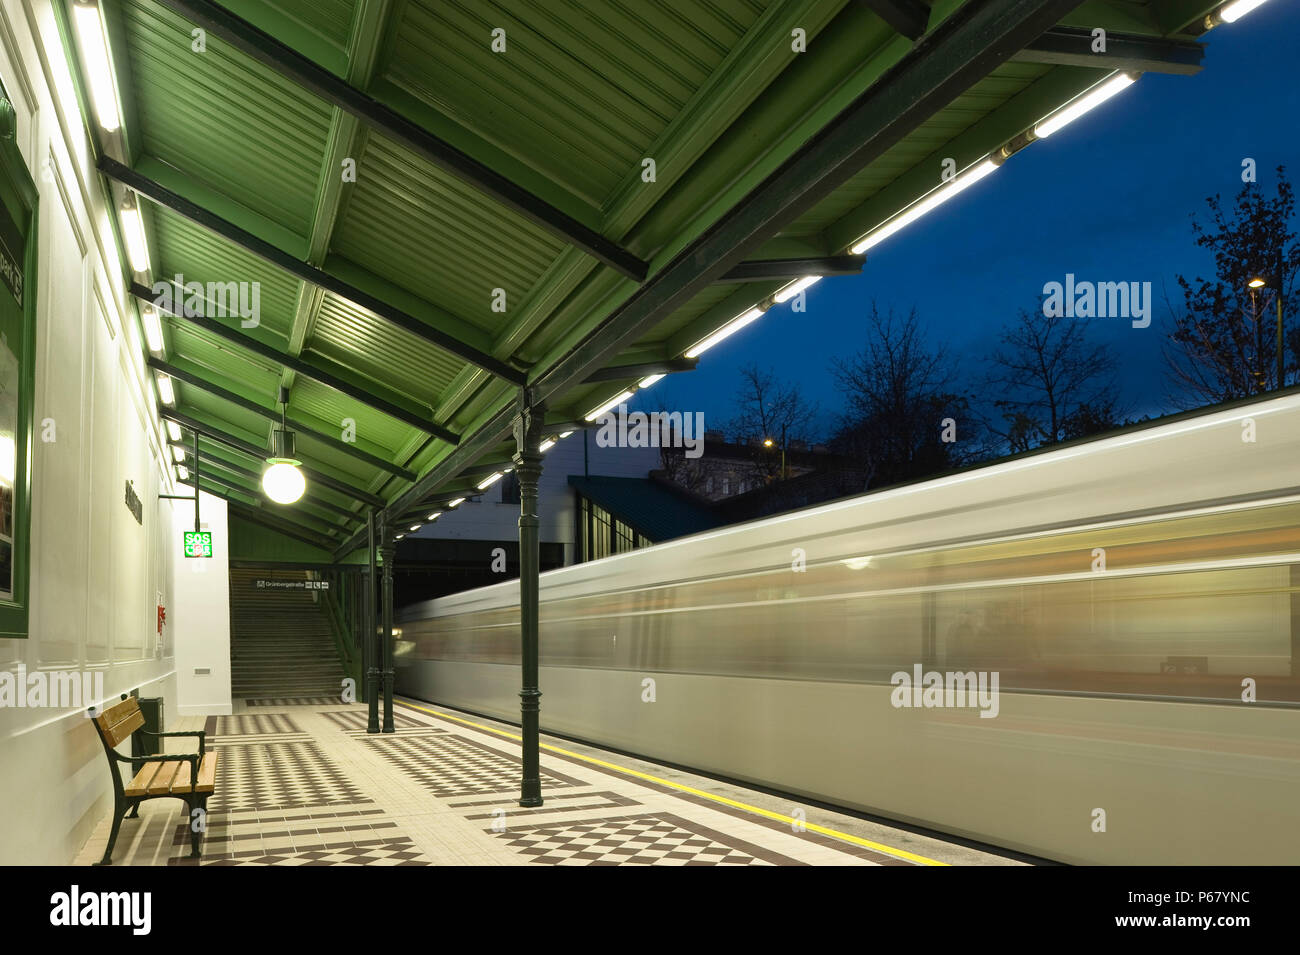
(529, 423)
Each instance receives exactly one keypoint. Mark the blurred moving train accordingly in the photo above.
(1138, 596)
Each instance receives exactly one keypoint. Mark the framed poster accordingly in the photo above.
(18, 199)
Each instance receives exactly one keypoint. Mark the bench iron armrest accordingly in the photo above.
(201, 734)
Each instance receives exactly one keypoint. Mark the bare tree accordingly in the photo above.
(1049, 382)
(1223, 344)
(905, 417)
(769, 409)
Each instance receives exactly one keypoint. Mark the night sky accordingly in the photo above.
(1108, 198)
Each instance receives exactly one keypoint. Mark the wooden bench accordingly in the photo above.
(191, 777)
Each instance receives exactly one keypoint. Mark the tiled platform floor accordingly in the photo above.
(302, 783)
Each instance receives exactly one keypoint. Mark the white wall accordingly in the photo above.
(199, 623)
(489, 519)
(96, 574)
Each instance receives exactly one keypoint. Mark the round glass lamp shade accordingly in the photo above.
(283, 481)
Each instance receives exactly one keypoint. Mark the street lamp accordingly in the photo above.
(1271, 280)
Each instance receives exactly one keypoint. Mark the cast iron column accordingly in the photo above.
(368, 630)
(389, 551)
(528, 468)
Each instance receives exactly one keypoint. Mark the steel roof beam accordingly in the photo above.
(908, 17)
(306, 368)
(270, 52)
(1066, 46)
(669, 366)
(761, 270)
(271, 414)
(158, 193)
(253, 451)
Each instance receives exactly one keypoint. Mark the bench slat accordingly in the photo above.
(120, 731)
(117, 712)
(140, 784)
(181, 784)
(162, 783)
(207, 773)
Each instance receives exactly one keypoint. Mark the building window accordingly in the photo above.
(601, 534)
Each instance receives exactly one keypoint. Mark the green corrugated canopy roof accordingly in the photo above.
(446, 207)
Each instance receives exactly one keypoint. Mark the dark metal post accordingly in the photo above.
(368, 631)
(388, 549)
(196, 479)
(528, 468)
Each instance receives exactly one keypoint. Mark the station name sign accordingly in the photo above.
(292, 585)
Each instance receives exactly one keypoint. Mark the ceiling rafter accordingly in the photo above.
(208, 459)
(345, 140)
(763, 270)
(169, 198)
(274, 522)
(247, 447)
(270, 52)
(311, 368)
(344, 447)
(1066, 46)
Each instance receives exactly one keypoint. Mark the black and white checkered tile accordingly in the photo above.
(449, 765)
(627, 840)
(355, 723)
(296, 701)
(246, 727)
(386, 852)
(280, 775)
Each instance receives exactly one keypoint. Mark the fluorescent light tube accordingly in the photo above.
(173, 430)
(935, 198)
(99, 75)
(488, 481)
(137, 246)
(617, 399)
(1235, 11)
(726, 331)
(1085, 103)
(794, 288)
(152, 329)
(166, 393)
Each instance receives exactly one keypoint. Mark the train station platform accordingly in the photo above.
(301, 783)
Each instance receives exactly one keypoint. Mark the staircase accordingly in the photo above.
(280, 640)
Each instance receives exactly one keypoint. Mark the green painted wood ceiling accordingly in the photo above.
(584, 91)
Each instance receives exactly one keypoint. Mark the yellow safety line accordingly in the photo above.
(756, 810)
